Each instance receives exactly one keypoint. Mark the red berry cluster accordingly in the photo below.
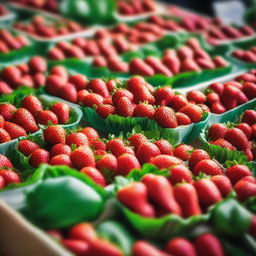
(9, 42)
(30, 75)
(246, 55)
(82, 239)
(42, 27)
(240, 137)
(135, 7)
(48, 5)
(7, 175)
(18, 122)
(190, 57)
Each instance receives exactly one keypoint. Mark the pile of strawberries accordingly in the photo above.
(189, 57)
(42, 27)
(10, 42)
(48, 5)
(135, 7)
(3, 10)
(30, 75)
(221, 97)
(81, 47)
(240, 136)
(7, 174)
(18, 122)
(82, 239)
(246, 55)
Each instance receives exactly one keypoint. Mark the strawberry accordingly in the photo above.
(99, 61)
(4, 136)
(163, 95)
(213, 97)
(5, 162)
(207, 166)
(62, 111)
(95, 175)
(199, 53)
(121, 93)
(7, 111)
(14, 130)
(217, 131)
(249, 89)
(143, 248)
(158, 66)
(54, 84)
(60, 149)
(1, 121)
(80, 96)
(111, 85)
(247, 77)
(147, 150)
(107, 162)
(77, 139)
(197, 156)
(80, 81)
(2, 184)
(68, 93)
(90, 133)
(137, 139)
(9, 177)
(223, 184)
(182, 119)
(180, 246)
(144, 110)
(83, 231)
(217, 87)
(56, 54)
(11, 75)
(164, 146)
(188, 65)
(32, 104)
(245, 189)
(194, 112)
(196, 96)
(104, 110)
(124, 107)
(183, 152)
(61, 160)
(219, 62)
(78, 247)
(26, 147)
(37, 64)
(164, 161)
(39, 156)
(247, 130)
(186, 196)
(180, 173)
(92, 99)
(205, 63)
(237, 138)
(47, 117)
(224, 144)
(184, 52)
(60, 71)
(5, 88)
(237, 172)
(98, 86)
(218, 108)
(249, 117)
(116, 64)
(139, 67)
(98, 145)
(54, 135)
(126, 162)
(172, 63)
(165, 117)
(25, 119)
(82, 157)
(178, 102)
(134, 196)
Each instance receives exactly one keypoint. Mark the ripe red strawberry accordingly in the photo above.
(182, 119)
(219, 62)
(104, 110)
(146, 151)
(197, 156)
(98, 86)
(245, 189)
(107, 162)
(184, 52)
(164, 161)
(83, 231)
(224, 144)
(180, 173)
(180, 246)
(82, 157)
(26, 147)
(68, 93)
(47, 117)
(237, 138)
(62, 111)
(194, 112)
(249, 89)
(9, 177)
(247, 130)
(5, 88)
(5, 162)
(80, 81)
(78, 247)
(1, 121)
(249, 117)
(218, 108)
(217, 131)
(158, 66)
(95, 175)
(183, 152)
(247, 77)
(59, 149)
(163, 96)
(137, 139)
(39, 156)
(11, 75)
(124, 107)
(121, 93)
(139, 67)
(54, 134)
(98, 145)
(37, 64)
(213, 97)
(164, 146)
(141, 248)
(144, 110)
(54, 84)
(217, 87)
(237, 172)
(90, 133)
(125, 163)
(14, 130)
(207, 166)
(61, 160)
(196, 96)
(77, 139)
(7, 111)
(188, 65)
(25, 119)
(165, 117)
(4, 136)
(92, 99)
(32, 104)
(223, 184)
(178, 102)
(80, 96)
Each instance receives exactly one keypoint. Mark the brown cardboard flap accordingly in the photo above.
(20, 238)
